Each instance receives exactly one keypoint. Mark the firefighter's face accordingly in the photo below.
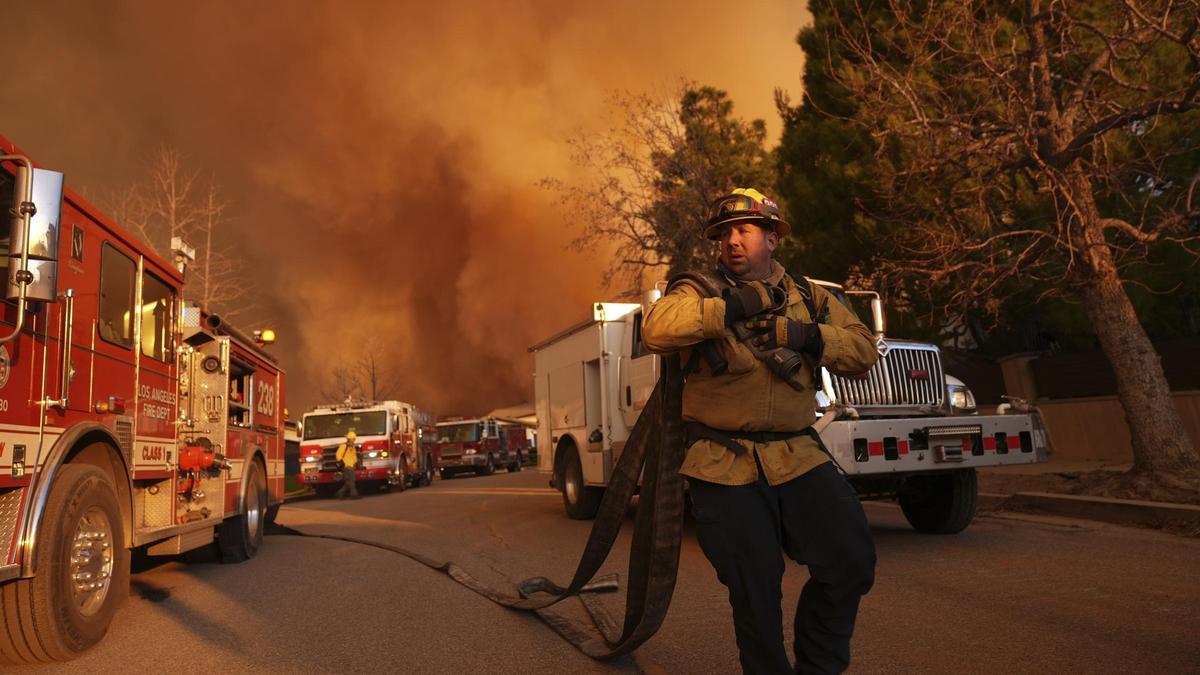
(746, 250)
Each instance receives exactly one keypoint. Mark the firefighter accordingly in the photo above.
(752, 338)
(347, 458)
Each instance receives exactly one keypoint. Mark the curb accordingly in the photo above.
(1103, 509)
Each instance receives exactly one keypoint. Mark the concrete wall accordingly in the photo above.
(1095, 428)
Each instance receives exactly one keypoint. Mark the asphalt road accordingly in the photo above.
(1011, 594)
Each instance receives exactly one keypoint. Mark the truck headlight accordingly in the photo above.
(961, 399)
(372, 454)
(469, 451)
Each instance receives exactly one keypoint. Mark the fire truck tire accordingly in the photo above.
(489, 468)
(68, 606)
(940, 503)
(516, 466)
(447, 474)
(238, 538)
(580, 501)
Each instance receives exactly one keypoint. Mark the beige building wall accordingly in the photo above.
(1095, 428)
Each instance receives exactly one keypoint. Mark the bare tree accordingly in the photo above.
(369, 376)
(172, 202)
(217, 279)
(175, 202)
(651, 178)
(1049, 143)
(129, 208)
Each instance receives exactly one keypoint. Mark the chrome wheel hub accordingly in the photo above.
(91, 564)
(572, 488)
(253, 508)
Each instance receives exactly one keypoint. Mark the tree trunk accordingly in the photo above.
(1160, 441)
(1161, 446)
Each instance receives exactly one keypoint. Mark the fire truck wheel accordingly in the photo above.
(490, 467)
(446, 474)
(82, 573)
(580, 501)
(940, 503)
(239, 537)
(516, 465)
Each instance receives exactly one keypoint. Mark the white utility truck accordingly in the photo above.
(903, 430)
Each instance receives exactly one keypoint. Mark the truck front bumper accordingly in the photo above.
(364, 474)
(881, 446)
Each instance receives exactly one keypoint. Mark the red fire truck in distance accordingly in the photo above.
(127, 419)
(396, 444)
(480, 445)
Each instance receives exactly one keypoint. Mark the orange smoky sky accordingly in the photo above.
(381, 158)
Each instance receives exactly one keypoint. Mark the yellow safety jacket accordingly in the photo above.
(347, 453)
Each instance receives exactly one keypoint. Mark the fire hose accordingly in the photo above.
(653, 453)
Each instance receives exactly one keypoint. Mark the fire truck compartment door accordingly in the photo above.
(209, 403)
(638, 371)
(566, 397)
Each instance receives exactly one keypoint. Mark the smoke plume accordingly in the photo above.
(381, 157)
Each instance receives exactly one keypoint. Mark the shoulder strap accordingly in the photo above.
(808, 294)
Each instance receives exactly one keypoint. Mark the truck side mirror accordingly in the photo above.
(35, 234)
(877, 320)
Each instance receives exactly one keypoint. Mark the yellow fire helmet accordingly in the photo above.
(350, 435)
(741, 205)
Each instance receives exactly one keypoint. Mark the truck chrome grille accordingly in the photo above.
(905, 376)
(329, 458)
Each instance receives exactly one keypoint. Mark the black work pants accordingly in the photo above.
(349, 484)
(817, 520)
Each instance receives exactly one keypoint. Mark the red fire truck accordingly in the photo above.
(480, 445)
(127, 419)
(396, 444)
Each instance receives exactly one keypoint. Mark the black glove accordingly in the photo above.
(777, 331)
(747, 300)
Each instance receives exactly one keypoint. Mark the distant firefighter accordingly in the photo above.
(347, 459)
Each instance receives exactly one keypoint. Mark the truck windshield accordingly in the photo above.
(365, 423)
(458, 433)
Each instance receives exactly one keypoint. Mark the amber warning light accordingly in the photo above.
(264, 337)
(113, 405)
